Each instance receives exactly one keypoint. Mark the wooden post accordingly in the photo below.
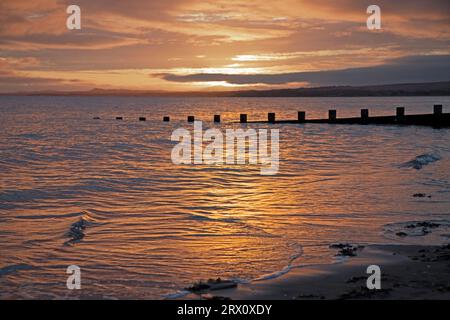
(119, 118)
(142, 119)
(191, 119)
(271, 117)
(332, 115)
(166, 119)
(400, 114)
(364, 115)
(217, 118)
(243, 118)
(301, 116)
(437, 109)
(437, 113)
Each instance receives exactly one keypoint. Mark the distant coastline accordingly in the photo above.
(388, 90)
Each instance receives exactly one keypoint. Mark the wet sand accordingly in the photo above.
(407, 272)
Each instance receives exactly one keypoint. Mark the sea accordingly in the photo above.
(80, 188)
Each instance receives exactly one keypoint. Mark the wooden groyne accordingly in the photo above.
(436, 119)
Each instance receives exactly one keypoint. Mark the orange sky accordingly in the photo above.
(216, 45)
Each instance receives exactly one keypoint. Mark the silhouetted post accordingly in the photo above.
(301, 116)
(437, 113)
(400, 115)
(217, 118)
(142, 119)
(191, 119)
(119, 118)
(243, 118)
(437, 109)
(271, 117)
(364, 115)
(166, 119)
(332, 115)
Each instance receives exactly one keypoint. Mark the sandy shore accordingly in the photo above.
(407, 272)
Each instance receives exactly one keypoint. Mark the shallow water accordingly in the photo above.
(104, 194)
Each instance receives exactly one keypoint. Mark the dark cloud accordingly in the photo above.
(403, 70)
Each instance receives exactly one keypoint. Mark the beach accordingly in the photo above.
(407, 272)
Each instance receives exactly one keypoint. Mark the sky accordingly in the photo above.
(189, 45)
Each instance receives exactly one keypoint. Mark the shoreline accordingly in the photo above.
(414, 272)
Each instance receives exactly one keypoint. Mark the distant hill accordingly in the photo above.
(416, 89)
(408, 89)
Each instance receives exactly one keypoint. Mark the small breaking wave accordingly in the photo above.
(275, 274)
(77, 230)
(420, 161)
(298, 252)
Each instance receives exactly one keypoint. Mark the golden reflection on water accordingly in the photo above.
(153, 227)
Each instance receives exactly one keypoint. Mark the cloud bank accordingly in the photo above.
(402, 70)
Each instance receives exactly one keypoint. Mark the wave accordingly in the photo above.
(50, 216)
(76, 232)
(14, 268)
(31, 136)
(420, 161)
(274, 275)
(176, 295)
(250, 228)
(204, 217)
(298, 253)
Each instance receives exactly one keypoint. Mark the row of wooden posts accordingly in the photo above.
(437, 118)
(332, 115)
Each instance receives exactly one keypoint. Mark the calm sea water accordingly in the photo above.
(152, 228)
